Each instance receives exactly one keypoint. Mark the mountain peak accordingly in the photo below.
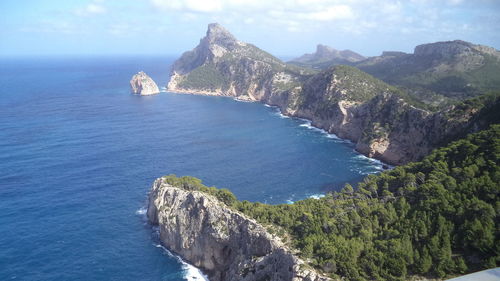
(444, 48)
(320, 48)
(217, 34)
(326, 56)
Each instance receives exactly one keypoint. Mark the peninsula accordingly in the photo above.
(389, 123)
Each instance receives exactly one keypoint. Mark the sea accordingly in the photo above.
(79, 152)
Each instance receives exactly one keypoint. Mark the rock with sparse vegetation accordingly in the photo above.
(142, 84)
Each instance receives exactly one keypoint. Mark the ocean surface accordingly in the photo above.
(78, 154)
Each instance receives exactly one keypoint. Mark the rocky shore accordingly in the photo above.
(225, 244)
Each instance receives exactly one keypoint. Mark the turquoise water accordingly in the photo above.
(78, 154)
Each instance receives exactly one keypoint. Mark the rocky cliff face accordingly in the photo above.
(382, 121)
(222, 65)
(225, 244)
(378, 118)
(143, 85)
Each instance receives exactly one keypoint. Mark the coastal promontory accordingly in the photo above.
(204, 230)
(142, 84)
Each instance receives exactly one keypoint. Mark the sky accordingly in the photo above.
(286, 28)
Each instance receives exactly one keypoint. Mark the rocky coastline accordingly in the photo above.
(383, 122)
(223, 243)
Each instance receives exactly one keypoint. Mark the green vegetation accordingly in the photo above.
(452, 81)
(486, 104)
(438, 217)
(192, 183)
(351, 84)
(205, 77)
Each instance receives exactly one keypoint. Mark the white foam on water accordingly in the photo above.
(280, 115)
(317, 196)
(377, 163)
(141, 211)
(242, 100)
(288, 201)
(333, 136)
(191, 273)
(308, 125)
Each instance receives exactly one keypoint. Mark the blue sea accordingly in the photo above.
(78, 154)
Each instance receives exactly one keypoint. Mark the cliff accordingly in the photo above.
(224, 243)
(384, 122)
(143, 85)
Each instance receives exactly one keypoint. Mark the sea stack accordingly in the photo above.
(142, 84)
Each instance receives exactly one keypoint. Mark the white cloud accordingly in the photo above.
(201, 6)
(123, 29)
(51, 26)
(330, 13)
(349, 16)
(455, 2)
(93, 8)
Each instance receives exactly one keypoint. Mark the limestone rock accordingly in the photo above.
(143, 85)
(225, 244)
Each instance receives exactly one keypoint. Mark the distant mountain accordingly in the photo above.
(383, 121)
(223, 65)
(454, 69)
(325, 57)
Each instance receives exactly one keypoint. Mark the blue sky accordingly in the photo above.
(283, 28)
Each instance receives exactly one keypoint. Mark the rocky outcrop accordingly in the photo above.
(224, 66)
(224, 243)
(382, 121)
(326, 56)
(142, 84)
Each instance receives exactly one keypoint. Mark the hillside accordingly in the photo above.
(434, 218)
(453, 69)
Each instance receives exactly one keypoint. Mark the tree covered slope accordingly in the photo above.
(436, 218)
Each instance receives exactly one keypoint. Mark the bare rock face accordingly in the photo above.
(142, 84)
(224, 243)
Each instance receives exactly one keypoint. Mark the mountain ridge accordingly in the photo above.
(341, 99)
(454, 69)
(327, 56)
